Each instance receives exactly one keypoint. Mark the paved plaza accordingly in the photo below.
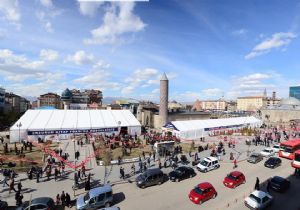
(168, 195)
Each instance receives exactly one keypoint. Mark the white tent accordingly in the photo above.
(195, 129)
(63, 123)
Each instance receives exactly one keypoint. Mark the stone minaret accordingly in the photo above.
(164, 95)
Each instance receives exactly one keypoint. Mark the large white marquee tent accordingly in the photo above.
(63, 123)
(196, 129)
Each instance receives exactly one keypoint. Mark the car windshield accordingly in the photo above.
(253, 197)
(276, 146)
(198, 190)
(204, 163)
(254, 156)
(86, 198)
(288, 149)
(266, 150)
(229, 176)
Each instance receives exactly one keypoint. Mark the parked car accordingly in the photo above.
(258, 200)
(202, 192)
(255, 158)
(110, 208)
(3, 205)
(267, 152)
(234, 179)
(208, 164)
(273, 162)
(279, 184)
(277, 148)
(95, 198)
(42, 203)
(150, 177)
(182, 172)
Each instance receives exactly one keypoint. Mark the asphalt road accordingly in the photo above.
(175, 195)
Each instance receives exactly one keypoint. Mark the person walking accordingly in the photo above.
(57, 201)
(83, 171)
(148, 161)
(19, 186)
(79, 174)
(55, 174)
(133, 169)
(235, 164)
(256, 187)
(12, 185)
(63, 198)
(122, 173)
(268, 185)
(68, 200)
(18, 198)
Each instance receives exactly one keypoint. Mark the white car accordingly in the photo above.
(258, 200)
(276, 148)
(267, 152)
(208, 164)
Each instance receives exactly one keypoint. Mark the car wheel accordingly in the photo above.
(107, 205)
(159, 183)
(244, 182)
(205, 171)
(177, 180)
(191, 175)
(143, 186)
(200, 202)
(215, 195)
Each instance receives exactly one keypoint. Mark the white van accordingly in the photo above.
(208, 164)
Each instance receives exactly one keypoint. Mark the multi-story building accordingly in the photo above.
(220, 105)
(295, 92)
(50, 99)
(15, 103)
(76, 99)
(251, 103)
(272, 101)
(2, 99)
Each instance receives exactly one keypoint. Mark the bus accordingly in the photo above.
(289, 148)
(296, 160)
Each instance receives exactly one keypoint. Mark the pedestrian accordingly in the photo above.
(145, 166)
(235, 164)
(87, 185)
(148, 161)
(268, 185)
(12, 186)
(18, 198)
(55, 174)
(68, 200)
(76, 179)
(63, 198)
(143, 153)
(63, 169)
(122, 173)
(57, 201)
(19, 186)
(79, 174)
(5, 180)
(83, 171)
(48, 172)
(133, 169)
(256, 187)
(140, 166)
(60, 152)
(81, 143)
(153, 155)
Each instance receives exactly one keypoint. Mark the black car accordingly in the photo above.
(279, 184)
(273, 162)
(3, 205)
(153, 176)
(182, 172)
(38, 203)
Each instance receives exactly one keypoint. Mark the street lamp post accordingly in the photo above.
(19, 125)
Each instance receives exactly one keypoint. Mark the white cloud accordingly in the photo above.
(188, 96)
(10, 10)
(89, 8)
(212, 92)
(239, 32)
(140, 77)
(252, 84)
(276, 41)
(49, 55)
(47, 3)
(118, 20)
(80, 58)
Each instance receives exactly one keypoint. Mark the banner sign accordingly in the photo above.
(53, 132)
(224, 127)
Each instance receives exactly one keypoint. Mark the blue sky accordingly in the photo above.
(208, 48)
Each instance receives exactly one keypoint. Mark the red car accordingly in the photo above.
(234, 179)
(202, 192)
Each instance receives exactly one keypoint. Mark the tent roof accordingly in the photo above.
(75, 119)
(212, 123)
